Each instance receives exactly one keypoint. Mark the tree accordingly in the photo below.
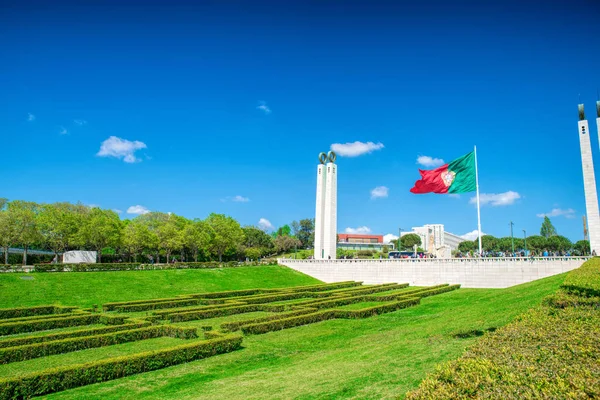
(306, 235)
(23, 215)
(136, 237)
(409, 240)
(537, 243)
(8, 234)
(582, 247)
(547, 228)
(170, 234)
(253, 253)
(505, 244)
(59, 224)
(559, 243)
(295, 228)
(197, 235)
(284, 244)
(489, 243)
(227, 233)
(102, 228)
(255, 237)
(284, 230)
(466, 246)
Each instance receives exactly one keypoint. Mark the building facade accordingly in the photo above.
(348, 241)
(434, 238)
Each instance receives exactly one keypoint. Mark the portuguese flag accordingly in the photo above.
(457, 176)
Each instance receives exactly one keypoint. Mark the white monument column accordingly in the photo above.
(330, 215)
(320, 211)
(589, 181)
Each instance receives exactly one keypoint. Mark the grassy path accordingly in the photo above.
(88, 288)
(376, 358)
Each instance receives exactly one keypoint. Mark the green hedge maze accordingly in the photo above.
(50, 348)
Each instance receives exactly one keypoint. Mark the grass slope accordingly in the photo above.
(375, 358)
(88, 288)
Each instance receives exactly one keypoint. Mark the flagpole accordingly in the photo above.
(478, 211)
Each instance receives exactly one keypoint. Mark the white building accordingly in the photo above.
(326, 208)
(435, 239)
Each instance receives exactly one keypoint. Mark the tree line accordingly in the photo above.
(63, 226)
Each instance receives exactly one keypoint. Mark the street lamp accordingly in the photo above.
(512, 240)
(525, 239)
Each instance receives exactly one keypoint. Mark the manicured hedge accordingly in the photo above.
(285, 323)
(324, 287)
(407, 293)
(377, 310)
(40, 317)
(273, 297)
(157, 305)
(113, 305)
(45, 324)
(32, 311)
(235, 325)
(78, 333)
(584, 280)
(57, 379)
(92, 267)
(214, 312)
(233, 293)
(369, 290)
(426, 293)
(112, 319)
(564, 300)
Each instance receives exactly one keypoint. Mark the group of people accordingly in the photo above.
(530, 254)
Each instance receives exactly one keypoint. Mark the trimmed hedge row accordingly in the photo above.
(40, 317)
(325, 287)
(82, 332)
(406, 293)
(285, 323)
(564, 300)
(214, 312)
(32, 311)
(345, 291)
(233, 293)
(421, 293)
(165, 313)
(377, 310)
(278, 297)
(113, 305)
(45, 324)
(157, 305)
(57, 379)
(95, 267)
(584, 280)
(36, 350)
(235, 325)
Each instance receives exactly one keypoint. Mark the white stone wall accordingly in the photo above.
(319, 213)
(330, 212)
(470, 273)
(589, 186)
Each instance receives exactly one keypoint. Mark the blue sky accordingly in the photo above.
(224, 106)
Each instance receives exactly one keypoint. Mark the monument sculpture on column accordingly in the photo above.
(326, 209)
(589, 180)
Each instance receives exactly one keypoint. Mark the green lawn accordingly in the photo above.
(381, 357)
(88, 288)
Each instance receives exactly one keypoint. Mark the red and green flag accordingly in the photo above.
(457, 176)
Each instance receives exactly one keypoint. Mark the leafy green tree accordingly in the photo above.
(170, 234)
(559, 243)
(489, 243)
(284, 230)
(295, 226)
(505, 244)
(59, 224)
(285, 243)
(537, 243)
(101, 228)
(466, 246)
(197, 236)
(8, 233)
(255, 237)
(23, 215)
(582, 247)
(136, 237)
(409, 240)
(253, 253)
(306, 234)
(227, 232)
(547, 228)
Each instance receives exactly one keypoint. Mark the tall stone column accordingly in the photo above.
(320, 211)
(330, 220)
(589, 181)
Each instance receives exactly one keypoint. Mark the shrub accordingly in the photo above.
(57, 379)
(279, 324)
(233, 293)
(112, 319)
(377, 310)
(78, 333)
(45, 324)
(235, 325)
(214, 312)
(327, 286)
(584, 280)
(32, 311)
(113, 305)
(157, 305)
(564, 300)
(406, 293)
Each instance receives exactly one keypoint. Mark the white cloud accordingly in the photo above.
(80, 122)
(559, 212)
(264, 107)
(265, 225)
(137, 210)
(360, 229)
(471, 235)
(30, 117)
(389, 237)
(379, 192)
(454, 195)
(63, 130)
(355, 149)
(117, 210)
(427, 161)
(120, 148)
(240, 199)
(497, 199)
